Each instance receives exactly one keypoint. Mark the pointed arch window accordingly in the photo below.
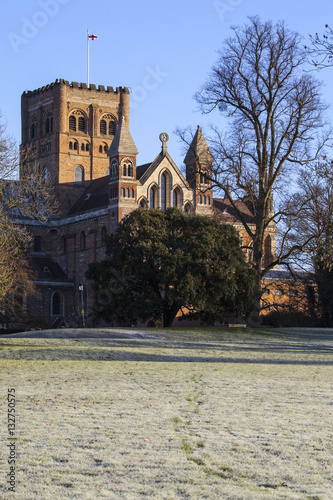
(163, 191)
(152, 198)
(175, 198)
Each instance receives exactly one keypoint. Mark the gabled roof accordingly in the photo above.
(47, 269)
(123, 143)
(141, 169)
(225, 212)
(198, 151)
(147, 170)
(94, 197)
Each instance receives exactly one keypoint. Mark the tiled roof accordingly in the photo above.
(94, 197)
(47, 270)
(225, 212)
(141, 169)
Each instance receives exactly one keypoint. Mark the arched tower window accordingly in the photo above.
(102, 127)
(107, 125)
(33, 127)
(48, 123)
(79, 175)
(82, 124)
(72, 123)
(112, 127)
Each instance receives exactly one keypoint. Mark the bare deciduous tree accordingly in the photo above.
(321, 49)
(316, 224)
(27, 197)
(276, 127)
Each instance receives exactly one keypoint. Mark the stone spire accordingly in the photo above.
(123, 143)
(198, 151)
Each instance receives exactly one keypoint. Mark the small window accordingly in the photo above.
(278, 292)
(127, 193)
(101, 149)
(200, 199)
(72, 123)
(87, 147)
(75, 146)
(123, 192)
(82, 147)
(105, 149)
(102, 127)
(70, 145)
(82, 124)
(132, 193)
(125, 170)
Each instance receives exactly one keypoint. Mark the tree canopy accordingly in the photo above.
(159, 262)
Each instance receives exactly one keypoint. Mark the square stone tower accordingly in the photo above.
(67, 130)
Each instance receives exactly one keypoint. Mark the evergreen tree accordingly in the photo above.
(159, 262)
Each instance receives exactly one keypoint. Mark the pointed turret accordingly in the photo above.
(198, 161)
(199, 151)
(123, 184)
(123, 143)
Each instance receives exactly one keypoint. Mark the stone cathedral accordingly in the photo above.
(80, 137)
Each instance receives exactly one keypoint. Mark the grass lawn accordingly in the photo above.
(170, 414)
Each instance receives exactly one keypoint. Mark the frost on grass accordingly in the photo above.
(232, 416)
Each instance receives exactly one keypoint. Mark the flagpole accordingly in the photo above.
(88, 58)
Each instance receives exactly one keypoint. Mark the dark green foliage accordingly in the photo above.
(161, 261)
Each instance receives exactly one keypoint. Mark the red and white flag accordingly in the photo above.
(92, 37)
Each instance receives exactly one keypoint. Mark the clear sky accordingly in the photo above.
(162, 51)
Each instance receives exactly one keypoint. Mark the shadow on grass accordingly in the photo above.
(283, 346)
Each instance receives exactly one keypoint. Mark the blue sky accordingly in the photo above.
(162, 51)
